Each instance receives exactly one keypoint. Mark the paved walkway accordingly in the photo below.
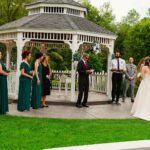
(61, 107)
(134, 145)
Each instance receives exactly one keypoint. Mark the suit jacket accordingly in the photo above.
(83, 76)
(130, 71)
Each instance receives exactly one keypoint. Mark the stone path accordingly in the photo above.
(59, 107)
(133, 145)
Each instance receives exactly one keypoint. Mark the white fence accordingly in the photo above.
(97, 82)
(12, 85)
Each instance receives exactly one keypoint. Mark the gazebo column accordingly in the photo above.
(8, 58)
(9, 46)
(19, 44)
(74, 47)
(109, 74)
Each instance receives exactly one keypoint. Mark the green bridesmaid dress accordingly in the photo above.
(37, 90)
(24, 96)
(3, 92)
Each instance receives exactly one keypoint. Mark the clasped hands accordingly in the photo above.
(116, 70)
(131, 78)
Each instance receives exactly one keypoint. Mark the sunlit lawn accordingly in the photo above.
(21, 133)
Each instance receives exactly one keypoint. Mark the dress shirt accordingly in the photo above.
(114, 64)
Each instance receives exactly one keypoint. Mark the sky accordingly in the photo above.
(121, 7)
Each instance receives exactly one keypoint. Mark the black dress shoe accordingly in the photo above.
(123, 99)
(132, 100)
(117, 102)
(112, 100)
(85, 105)
(44, 106)
(79, 105)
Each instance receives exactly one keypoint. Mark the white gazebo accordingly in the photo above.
(55, 20)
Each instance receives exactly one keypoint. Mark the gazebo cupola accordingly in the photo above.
(68, 7)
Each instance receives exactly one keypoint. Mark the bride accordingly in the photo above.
(141, 107)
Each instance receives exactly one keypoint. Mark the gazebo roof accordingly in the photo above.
(56, 22)
(70, 2)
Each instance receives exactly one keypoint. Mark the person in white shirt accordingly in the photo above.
(118, 67)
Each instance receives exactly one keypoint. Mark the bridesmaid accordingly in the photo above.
(3, 88)
(24, 83)
(37, 82)
(46, 75)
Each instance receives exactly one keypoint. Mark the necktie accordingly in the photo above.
(118, 64)
(131, 69)
(86, 65)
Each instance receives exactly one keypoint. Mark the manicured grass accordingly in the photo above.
(21, 133)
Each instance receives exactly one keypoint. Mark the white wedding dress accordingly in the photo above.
(141, 106)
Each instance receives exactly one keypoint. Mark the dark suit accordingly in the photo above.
(83, 82)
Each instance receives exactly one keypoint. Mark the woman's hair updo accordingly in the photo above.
(25, 53)
(147, 62)
(38, 55)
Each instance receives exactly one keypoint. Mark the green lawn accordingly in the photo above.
(21, 133)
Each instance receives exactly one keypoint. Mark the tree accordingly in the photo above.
(103, 17)
(92, 12)
(148, 12)
(98, 62)
(137, 42)
(107, 17)
(122, 33)
(132, 17)
(3, 51)
(60, 59)
(12, 10)
(123, 29)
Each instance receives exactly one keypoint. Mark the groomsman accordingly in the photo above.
(118, 67)
(84, 71)
(130, 75)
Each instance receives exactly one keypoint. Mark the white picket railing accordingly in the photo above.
(97, 82)
(12, 84)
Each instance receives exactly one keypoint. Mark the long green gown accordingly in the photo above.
(3, 92)
(24, 96)
(37, 90)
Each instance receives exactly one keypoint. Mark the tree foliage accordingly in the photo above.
(148, 12)
(60, 59)
(137, 41)
(132, 17)
(103, 17)
(122, 33)
(11, 10)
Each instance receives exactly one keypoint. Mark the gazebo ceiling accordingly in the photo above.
(56, 22)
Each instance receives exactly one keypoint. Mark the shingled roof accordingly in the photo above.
(55, 22)
(70, 2)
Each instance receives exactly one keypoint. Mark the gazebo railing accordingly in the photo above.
(97, 82)
(12, 84)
